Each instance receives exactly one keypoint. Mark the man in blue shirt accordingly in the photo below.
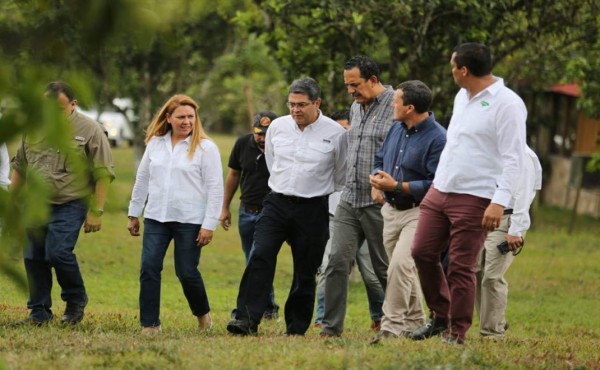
(403, 172)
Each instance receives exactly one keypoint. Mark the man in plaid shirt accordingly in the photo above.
(357, 216)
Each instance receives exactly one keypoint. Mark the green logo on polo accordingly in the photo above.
(485, 104)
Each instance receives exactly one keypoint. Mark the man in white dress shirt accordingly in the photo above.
(306, 159)
(475, 180)
(492, 288)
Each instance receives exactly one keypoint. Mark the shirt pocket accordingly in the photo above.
(317, 157)
(284, 152)
(72, 160)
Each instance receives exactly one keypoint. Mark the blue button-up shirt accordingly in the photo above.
(411, 155)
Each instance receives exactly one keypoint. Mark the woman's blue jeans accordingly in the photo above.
(156, 240)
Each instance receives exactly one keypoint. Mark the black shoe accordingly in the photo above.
(290, 334)
(273, 315)
(241, 327)
(428, 330)
(30, 321)
(73, 313)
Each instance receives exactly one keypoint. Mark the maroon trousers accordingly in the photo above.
(455, 218)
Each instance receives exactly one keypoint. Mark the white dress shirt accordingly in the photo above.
(334, 200)
(178, 189)
(486, 145)
(4, 167)
(309, 163)
(530, 181)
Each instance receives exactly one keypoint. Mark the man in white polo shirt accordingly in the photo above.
(475, 180)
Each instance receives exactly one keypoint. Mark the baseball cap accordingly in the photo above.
(262, 121)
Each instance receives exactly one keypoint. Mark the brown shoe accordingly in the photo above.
(204, 322)
(381, 335)
(376, 325)
(151, 330)
(317, 325)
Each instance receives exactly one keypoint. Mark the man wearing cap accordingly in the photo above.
(248, 169)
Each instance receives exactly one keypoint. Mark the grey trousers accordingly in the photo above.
(352, 226)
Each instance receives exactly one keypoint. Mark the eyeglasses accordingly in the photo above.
(301, 105)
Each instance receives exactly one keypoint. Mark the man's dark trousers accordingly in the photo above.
(303, 223)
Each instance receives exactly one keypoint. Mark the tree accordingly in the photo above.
(414, 39)
(104, 49)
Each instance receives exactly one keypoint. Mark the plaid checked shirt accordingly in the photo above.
(368, 130)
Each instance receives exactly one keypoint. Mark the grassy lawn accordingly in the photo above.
(554, 310)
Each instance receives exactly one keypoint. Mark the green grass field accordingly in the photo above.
(554, 309)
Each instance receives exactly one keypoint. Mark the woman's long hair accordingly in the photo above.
(159, 125)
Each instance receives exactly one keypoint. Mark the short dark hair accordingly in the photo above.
(475, 56)
(415, 92)
(365, 65)
(341, 114)
(307, 86)
(54, 89)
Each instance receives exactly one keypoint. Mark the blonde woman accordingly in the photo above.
(180, 182)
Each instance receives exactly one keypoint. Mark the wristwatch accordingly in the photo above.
(398, 187)
(97, 212)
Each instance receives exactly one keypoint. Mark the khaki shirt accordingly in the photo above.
(90, 150)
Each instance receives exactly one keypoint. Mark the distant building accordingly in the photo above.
(565, 139)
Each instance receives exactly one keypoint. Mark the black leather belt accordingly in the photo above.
(404, 206)
(508, 211)
(251, 209)
(300, 200)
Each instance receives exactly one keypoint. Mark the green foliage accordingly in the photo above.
(414, 39)
(594, 163)
(246, 80)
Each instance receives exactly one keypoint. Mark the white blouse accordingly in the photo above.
(177, 189)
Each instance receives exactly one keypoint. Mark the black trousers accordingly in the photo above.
(304, 224)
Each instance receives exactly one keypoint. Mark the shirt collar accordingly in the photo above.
(496, 86)
(384, 94)
(167, 137)
(423, 125)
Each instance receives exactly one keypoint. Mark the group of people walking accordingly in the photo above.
(395, 185)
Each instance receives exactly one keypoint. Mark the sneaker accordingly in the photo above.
(430, 329)
(73, 313)
(242, 327)
(205, 322)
